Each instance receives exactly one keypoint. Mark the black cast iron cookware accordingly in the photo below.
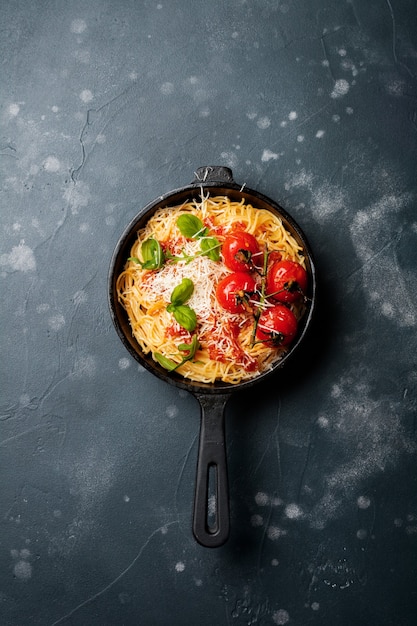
(208, 529)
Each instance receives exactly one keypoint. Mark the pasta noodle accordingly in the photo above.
(226, 351)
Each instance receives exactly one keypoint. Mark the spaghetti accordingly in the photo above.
(226, 349)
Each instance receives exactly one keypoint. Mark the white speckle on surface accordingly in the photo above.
(293, 511)
(56, 322)
(268, 155)
(340, 88)
(363, 502)
(172, 411)
(24, 400)
(263, 123)
(349, 110)
(300, 138)
(274, 533)
(126, 498)
(281, 617)
(79, 297)
(251, 115)
(22, 570)
(54, 109)
(78, 26)
(374, 424)
(396, 87)
(43, 308)
(383, 280)
(342, 52)
(14, 109)
(167, 88)
(124, 363)
(261, 499)
(83, 56)
(230, 159)
(84, 366)
(315, 606)
(326, 198)
(362, 533)
(77, 196)
(256, 520)
(86, 95)
(320, 134)
(274, 562)
(292, 115)
(336, 391)
(21, 259)
(180, 566)
(51, 164)
(336, 118)
(101, 138)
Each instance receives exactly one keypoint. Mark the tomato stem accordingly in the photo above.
(257, 313)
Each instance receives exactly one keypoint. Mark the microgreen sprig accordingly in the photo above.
(257, 312)
(189, 348)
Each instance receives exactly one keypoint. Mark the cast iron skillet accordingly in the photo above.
(209, 530)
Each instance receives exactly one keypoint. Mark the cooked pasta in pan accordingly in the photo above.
(214, 289)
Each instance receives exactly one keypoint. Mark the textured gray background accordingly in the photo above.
(105, 106)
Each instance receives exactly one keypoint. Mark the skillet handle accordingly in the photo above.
(211, 502)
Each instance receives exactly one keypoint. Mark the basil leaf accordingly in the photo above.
(182, 292)
(166, 363)
(185, 316)
(210, 246)
(191, 226)
(152, 254)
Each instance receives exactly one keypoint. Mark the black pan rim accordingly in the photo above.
(169, 198)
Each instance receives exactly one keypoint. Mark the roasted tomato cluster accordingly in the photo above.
(263, 285)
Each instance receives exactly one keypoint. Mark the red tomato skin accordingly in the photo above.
(279, 320)
(281, 276)
(233, 244)
(233, 286)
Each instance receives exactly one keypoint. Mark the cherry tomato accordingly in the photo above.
(233, 292)
(277, 326)
(240, 252)
(286, 281)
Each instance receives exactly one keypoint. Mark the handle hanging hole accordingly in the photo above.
(212, 495)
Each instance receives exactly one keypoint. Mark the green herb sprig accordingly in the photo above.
(190, 348)
(191, 227)
(152, 255)
(184, 315)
